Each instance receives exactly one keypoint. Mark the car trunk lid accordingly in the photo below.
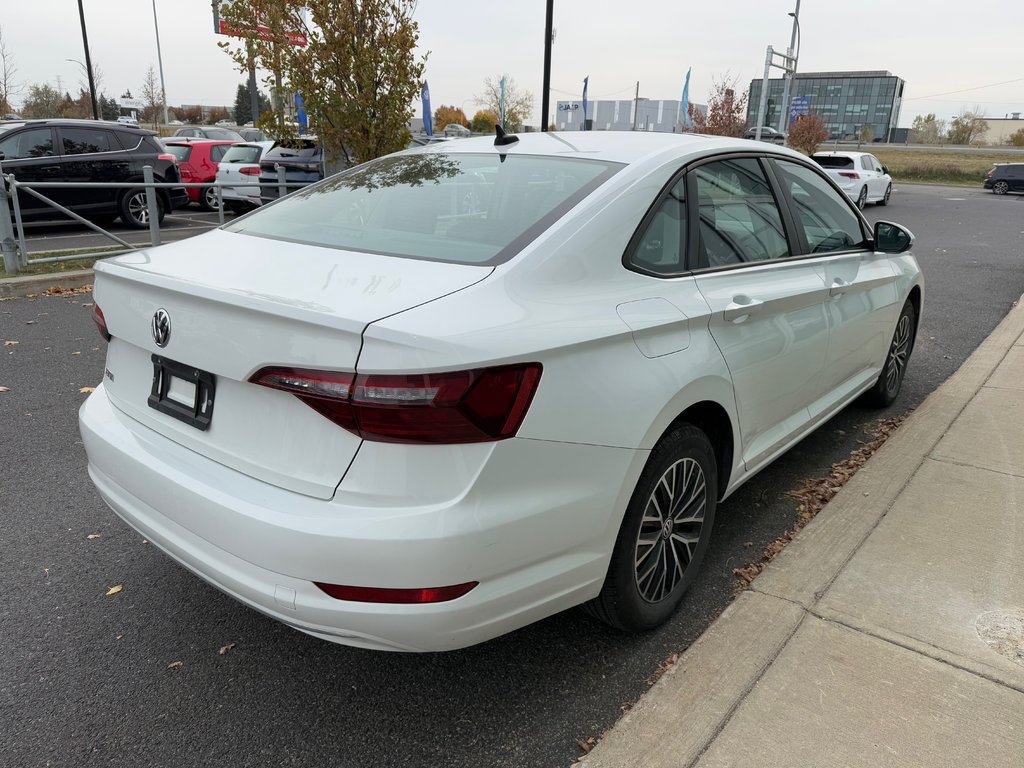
(237, 303)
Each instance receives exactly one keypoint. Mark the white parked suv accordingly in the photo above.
(859, 175)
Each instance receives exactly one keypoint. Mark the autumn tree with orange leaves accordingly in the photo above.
(727, 111)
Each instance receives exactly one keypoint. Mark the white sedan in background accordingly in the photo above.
(458, 389)
(858, 174)
(239, 172)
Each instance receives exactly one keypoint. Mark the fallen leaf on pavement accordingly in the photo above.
(4, 389)
(586, 744)
(88, 305)
(76, 353)
(225, 648)
(9, 343)
(93, 536)
(87, 389)
(114, 590)
(176, 664)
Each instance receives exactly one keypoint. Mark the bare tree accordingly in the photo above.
(727, 111)
(518, 103)
(9, 88)
(152, 97)
(969, 127)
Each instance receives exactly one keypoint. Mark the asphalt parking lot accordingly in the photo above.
(177, 225)
(93, 679)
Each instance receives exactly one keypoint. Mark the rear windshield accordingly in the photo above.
(458, 208)
(180, 151)
(833, 161)
(308, 149)
(222, 134)
(242, 154)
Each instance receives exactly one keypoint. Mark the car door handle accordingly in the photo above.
(839, 287)
(741, 308)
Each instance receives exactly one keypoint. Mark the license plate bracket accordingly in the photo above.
(170, 380)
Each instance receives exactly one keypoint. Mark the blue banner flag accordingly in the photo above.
(585, 80)
(428, 122)
(684, 103)
(300, 114)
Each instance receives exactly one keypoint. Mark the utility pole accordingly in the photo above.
(636, 104)
(545, 98)
(793, 52)
(160, 61)
(88, 63)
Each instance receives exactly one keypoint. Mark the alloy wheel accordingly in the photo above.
(1000, 187)
(210, 198)
(670, 530)
(138, 209)
(898, 354)
(862, 201)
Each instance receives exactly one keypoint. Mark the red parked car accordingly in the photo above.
(198, 160)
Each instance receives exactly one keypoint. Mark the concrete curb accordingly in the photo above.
(676, 721)
(13, 287)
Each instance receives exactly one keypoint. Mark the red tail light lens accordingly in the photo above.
(101, 322)
(850, 174)
(434, 408)
(403, 596)
(249, 170)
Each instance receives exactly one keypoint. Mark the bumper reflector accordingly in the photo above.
(403, 596)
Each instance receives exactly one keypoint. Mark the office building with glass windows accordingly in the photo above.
(846, 101)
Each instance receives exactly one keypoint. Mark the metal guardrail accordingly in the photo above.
(13, 244)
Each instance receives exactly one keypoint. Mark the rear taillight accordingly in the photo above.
(402, 596)
(249, 170)
(454, 407)
(849, 174)
(168, 157)
(101, 322)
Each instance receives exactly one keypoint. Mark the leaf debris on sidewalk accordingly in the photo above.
(114, 590)
(176, 664)
(815, 493)
(86, 390)
(225, 648)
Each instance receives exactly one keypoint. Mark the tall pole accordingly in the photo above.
(763, 102)
(254, 100)
(792, 52)
(546, 97)
(88, 63)
(636, 104)
(160, 62)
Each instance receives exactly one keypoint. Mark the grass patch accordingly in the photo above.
(53, 267)
(957, 168)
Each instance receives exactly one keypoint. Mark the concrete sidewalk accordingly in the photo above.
(24, 285)
(891, 631)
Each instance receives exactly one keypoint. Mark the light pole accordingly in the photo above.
(548, 38)
(793, 52)
(160, 62)
(88, 63)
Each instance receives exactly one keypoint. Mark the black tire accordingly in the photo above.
(645, 584)
(1000, 188)
(890, 380)
(208, 199)
(862, 199)
(885, 200)
(133, 209)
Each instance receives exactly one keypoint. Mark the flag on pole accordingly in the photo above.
(503, 102)
(428, 122)
(585, 79)
(684, 103)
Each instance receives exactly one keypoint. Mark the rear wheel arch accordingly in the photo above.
(713, 420)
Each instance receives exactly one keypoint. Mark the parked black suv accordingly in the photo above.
(88, 151)
(1005, 177)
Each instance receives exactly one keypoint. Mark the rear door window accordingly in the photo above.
(739, 219)
(217, 152)
(825, 216)
(85, 141)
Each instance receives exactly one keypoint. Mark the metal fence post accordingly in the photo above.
(7, 245)
(282, 180)
(153, 205)
(19, 226)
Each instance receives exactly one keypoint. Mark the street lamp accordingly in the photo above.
(160, 61)
(793, 54)
(88, 63)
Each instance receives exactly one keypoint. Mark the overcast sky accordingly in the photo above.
(950, 61)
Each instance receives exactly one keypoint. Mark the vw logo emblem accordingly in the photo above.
(161, 327)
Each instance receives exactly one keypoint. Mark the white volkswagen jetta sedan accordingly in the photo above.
(458, 389)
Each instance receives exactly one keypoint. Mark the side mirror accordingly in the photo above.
(892, 238)
(885, 170)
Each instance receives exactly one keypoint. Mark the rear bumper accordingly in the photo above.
(534, 524)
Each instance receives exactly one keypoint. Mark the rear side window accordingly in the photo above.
(241, 154)
(180, 151)
(739, 219)
(458, 208)
(659, 248)
(866, 164)
(83, 141)
(217, 152)
(828, 161)
(34, 142)
(828, 222)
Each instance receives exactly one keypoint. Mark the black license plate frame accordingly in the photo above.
(199, 413)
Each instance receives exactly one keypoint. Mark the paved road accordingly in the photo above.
(84, 678)
(52, 236)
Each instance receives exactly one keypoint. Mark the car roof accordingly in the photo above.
(67, 121)
(615, 146)
(833, 153)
